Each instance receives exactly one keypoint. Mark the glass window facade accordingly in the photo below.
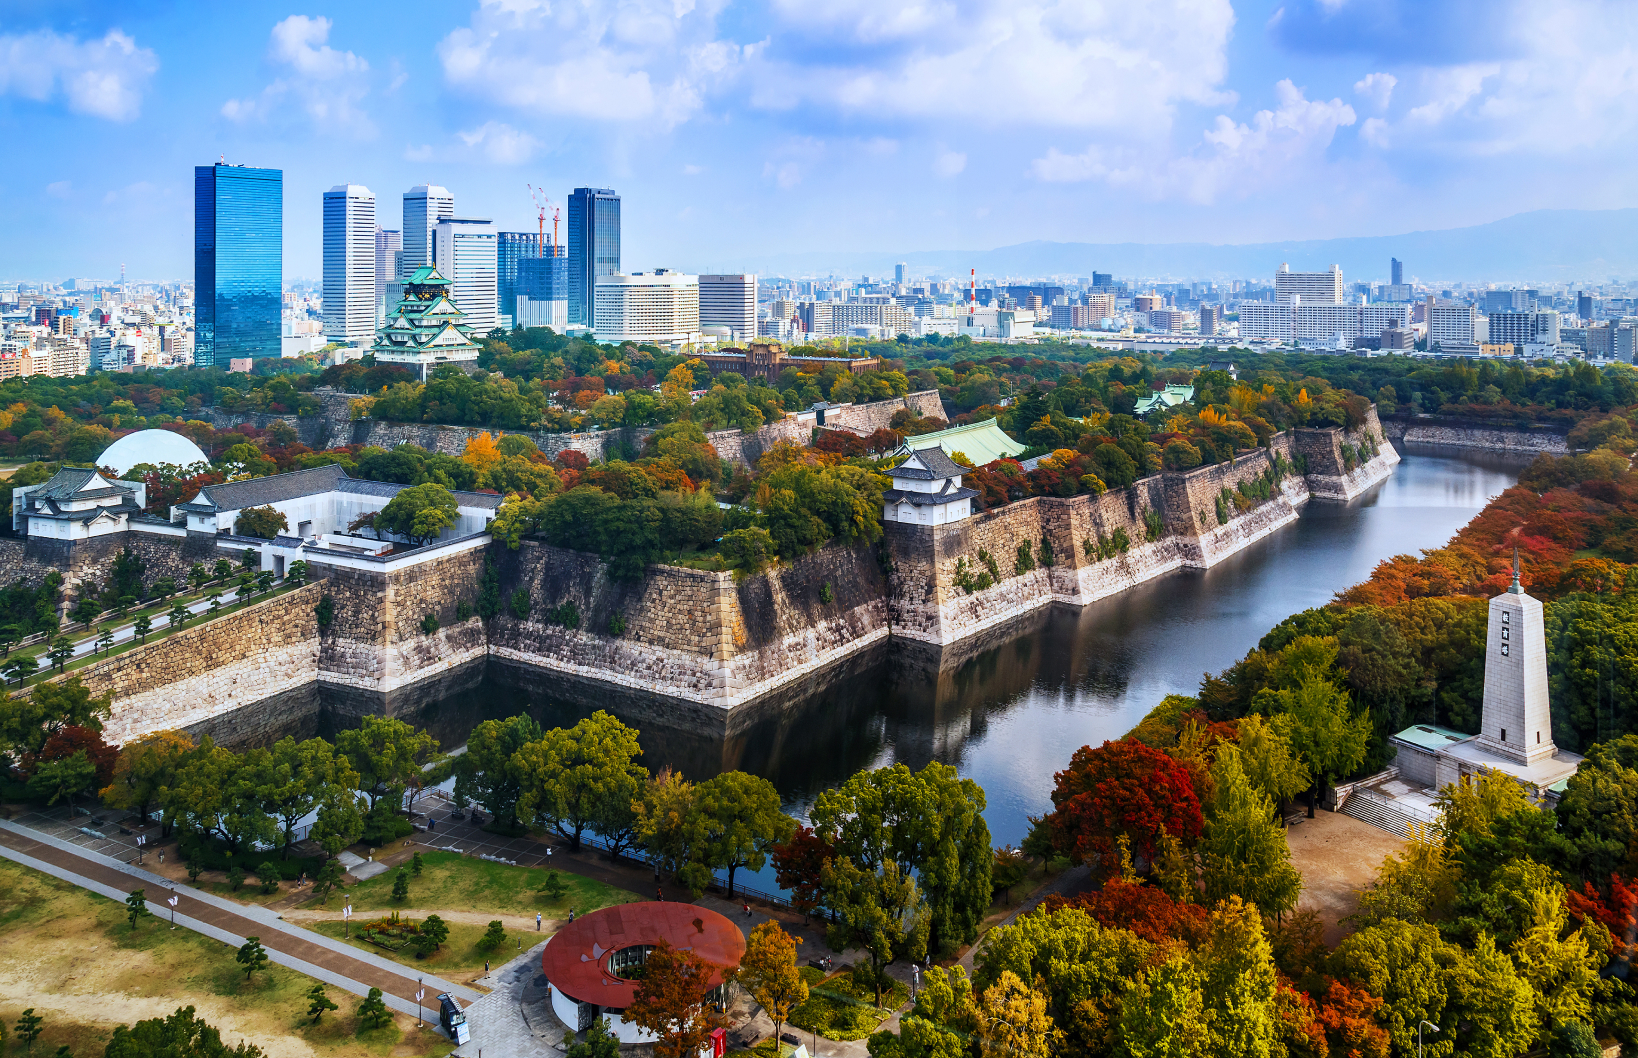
(513, 247)
(238, 262)
(594, 246)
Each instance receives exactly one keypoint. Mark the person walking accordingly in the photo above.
(537, 921)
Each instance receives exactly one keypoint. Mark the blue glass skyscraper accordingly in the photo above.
(594, 247)
(512, 247)
(238, 262)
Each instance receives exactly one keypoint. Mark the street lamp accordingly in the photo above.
(1430, 1025)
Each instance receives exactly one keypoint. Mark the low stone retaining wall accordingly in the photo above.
(1495, 437)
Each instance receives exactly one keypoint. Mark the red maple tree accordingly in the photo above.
(1122, 788)
(797, 864)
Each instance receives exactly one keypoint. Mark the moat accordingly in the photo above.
(1010, 707)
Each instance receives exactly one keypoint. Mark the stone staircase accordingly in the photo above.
(1368, 806)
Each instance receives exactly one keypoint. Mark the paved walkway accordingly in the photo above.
(317, 956)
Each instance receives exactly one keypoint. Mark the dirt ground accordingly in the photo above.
(1338, 856)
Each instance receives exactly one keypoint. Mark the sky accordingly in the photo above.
(735, 131)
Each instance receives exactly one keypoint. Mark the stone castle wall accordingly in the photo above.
(1497, 437)
(334, 425)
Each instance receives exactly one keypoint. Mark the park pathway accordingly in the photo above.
(330, 961)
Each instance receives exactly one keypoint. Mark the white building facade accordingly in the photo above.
(464, 249)
(349, 264)
(927, 490)
(661, 306)
(424, 206)
(729, 301)
(1308, 288)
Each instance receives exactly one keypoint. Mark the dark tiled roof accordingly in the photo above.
(928, 499)
(287, 541)
(365, 487)
(937, 463)
(66, 483)
(479, 499)
(258, 492)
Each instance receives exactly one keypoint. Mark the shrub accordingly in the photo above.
(429, 624)
(463, 611)
(1026, 559)
(325, 611)
(520, 603)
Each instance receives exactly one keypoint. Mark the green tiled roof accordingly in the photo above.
(425, 318)
(981, 442)
(1430, 736)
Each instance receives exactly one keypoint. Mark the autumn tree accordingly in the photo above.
(665, 823)
(1121, 789)
(797, 865)
(1165, 1016)
(1013, 1021)
(1270, 763)
(670, 1001)
(768, 971)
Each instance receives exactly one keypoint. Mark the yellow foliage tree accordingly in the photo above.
(481, 452)
(1013, 1021)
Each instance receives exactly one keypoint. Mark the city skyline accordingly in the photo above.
(890, 131)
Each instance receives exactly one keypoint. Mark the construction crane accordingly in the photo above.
(544, 203)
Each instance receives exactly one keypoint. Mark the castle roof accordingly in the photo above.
(425, 320)
(982, 442)
(928, 464)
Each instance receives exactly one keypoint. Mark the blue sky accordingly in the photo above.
(734, 131)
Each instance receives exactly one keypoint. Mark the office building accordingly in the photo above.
(1211, 317)
(1144, 303)
(510, 248)
(898, 273)
(349, 264)
(1396, 269)
(541, 296)
(594, 247)
(1600, 341)
(1317, 325)
(660, 306)
(1168, 321)
(389, 250)
(463, 248)
(1102, 280)
(1496, 301)
(730, 301)
(426, 329)
(1584, 305)
(238, 262)
(1524, 328)
(1626, 341)
(424, 206)
(1308, 288)
(1452, 323)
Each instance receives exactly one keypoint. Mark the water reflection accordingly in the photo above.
(1008, 709)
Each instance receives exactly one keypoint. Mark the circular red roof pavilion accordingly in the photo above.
(576, 959)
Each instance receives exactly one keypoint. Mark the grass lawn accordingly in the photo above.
(838, 1008)
(450, 881)
(454, 961)
(72, 957)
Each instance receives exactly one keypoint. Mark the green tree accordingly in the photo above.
(930, 823)
(318, 1002)
(665, 824)
(1407, 964)
(217, 794)
(1270, 763)
(145, 770)
(20, 667)
(739, 821)
(880, 910)
(60, 652)
(222, 570)
(300, 777)
(1324, 731)
(178, 614)
(142, 626)
(1243, 851)
(297, 574)
(136, 906)
(63, 779)
(105, 639)
(599, 1042)
(1238, 983)
(493, 938)
(252, 956)
(400, 886)
(488, 772)
(1496, 1005)
(431, 936)
(373, 1010)
(387, 754)
(583, 778)
(263, 522)
(179, 1034)
(29, 1027)
(420, 512)
(1165, 1015)
(86, 609)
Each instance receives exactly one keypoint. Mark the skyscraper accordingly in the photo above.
(542, 290)
(510, 248)
(594, 247)
(464, 251)
(349, 264)
(1398, 270)
(729, 301)
(238, 262)
(388, 246)
(898, 273)
(424, 206)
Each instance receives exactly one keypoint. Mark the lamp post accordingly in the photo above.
(419, 993)
(1430, 1025)
(347, 920)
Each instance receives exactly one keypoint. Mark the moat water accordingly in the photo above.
(1010, 710)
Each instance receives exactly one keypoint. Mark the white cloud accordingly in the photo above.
(325, 84)
(948, 163)
(500, 143)
(59, 189)
(642, 60)
(104, 78)
(1070, 63)
(1376, 89)
(692, 170)
(1233, 159)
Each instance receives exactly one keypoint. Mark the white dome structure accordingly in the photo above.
(150, 446)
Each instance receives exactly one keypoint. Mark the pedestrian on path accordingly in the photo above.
(659, 894)
(571, 914)
(747, 910)
(537, 921)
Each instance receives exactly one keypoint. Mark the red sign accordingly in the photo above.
(719, 1043)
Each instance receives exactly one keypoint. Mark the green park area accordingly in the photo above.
(75, 961)
(467, 895)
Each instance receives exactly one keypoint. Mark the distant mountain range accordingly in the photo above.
(1549, 245)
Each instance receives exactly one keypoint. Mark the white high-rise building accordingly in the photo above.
(388, 246)
(1308, 288)
(349, 264)
(729, 301)
(464, 249)
(662, 306)
(424, 206)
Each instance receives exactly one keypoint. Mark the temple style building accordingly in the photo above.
(927, 489)
(425, 330)
(1515, 736)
